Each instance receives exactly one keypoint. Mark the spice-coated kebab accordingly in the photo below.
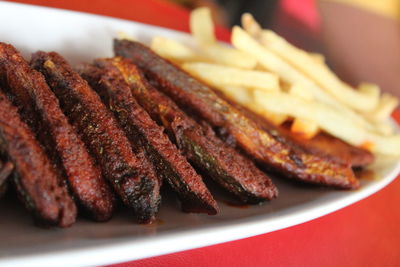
(56, 126)
(329, 146)
(198, 143)
(272, 151)
(35, 179)
(322, 144)
(130, 173)
(143, 132)
(40, 109)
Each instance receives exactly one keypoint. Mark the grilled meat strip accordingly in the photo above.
(143, 132)
(35, 180)
(225, 165)
(130, 173)
(322, 144)
(6, 169)
(325, 144)
(40, 109)
(271, 150)
(328, 145)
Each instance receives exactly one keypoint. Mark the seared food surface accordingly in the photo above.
(209, 123)
(198, 143)
(34, 178)
(129, 172)
(40, 109)
(269, 149)
(145, 134)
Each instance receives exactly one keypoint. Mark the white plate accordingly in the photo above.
(81, 37)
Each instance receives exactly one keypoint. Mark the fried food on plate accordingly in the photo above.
(145, 134)
(302, 75)
(229, 168)
(361, 100)
(35, 179)
(131, 175)
(217, 75)
(40, 108)
(174, 50)
(201, 100)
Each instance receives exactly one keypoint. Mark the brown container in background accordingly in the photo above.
(361, 46)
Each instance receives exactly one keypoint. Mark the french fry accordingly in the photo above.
(218, 75)
(273, 117)
(329, 120)
(244, 42)
(318, 58)
(250, 25)
(382, 109)
(305, 128)
(173, 50)
(229, 56)
(125, 36)
(386, 144)
(385, 128)
(370, 89)
(284, 103)
(279, 81)
(301, 91)
(202, 27)
(240, 95)
(245, 97)
(387, 104)
(320, 73)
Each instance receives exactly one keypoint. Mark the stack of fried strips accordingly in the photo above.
(118, 128)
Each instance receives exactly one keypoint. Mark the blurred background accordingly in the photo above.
(360, 38)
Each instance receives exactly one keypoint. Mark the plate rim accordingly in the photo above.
(241, 228)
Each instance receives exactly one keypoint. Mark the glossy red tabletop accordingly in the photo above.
(364, 234)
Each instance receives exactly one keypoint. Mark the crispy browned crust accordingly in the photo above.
(225, 165)
(39, 107)
(326, 144)
(35, 179)
(130, 173)
(322, 144)
(143, 132)
(201, 100)
(330, 146)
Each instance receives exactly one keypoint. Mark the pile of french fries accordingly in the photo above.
(281, 82)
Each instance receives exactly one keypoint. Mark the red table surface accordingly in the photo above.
(364, 234)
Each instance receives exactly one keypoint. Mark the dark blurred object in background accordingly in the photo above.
(281, 16)
(263, 11)
(228, 12)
